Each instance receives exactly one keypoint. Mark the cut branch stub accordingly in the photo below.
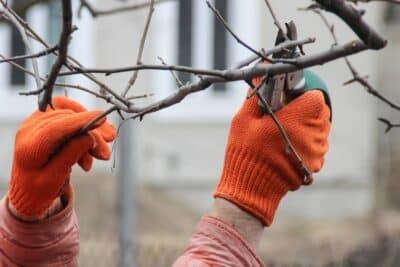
(349, 14)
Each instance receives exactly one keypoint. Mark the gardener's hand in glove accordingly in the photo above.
(47, 145)
(258, 169)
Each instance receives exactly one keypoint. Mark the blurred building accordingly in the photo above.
(180, 150)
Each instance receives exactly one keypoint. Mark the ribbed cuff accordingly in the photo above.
(68, 199)
(251, 183)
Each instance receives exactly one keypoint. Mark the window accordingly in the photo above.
(392, 13)
(18, 48)
(185, 39)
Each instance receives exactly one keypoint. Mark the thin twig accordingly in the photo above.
(307, 174)
(257, 88)
(133, 79)
(235, 36)
(275, 18)
(276, 49)
(97, 12)
(111, 71)
(90, 124)
(353, 17)
(140, 96)
(389, 125)
(37, 55)
(21, 28)
(356, 76)
(178, 82)
(218, 73)
(258, 70)
(71, 62)
(64, 85)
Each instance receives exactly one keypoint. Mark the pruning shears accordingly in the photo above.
(280, 89)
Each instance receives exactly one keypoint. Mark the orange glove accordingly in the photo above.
(44, 155)
(258, 171)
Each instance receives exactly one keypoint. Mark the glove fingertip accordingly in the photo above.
(108, 132)
(86, 162)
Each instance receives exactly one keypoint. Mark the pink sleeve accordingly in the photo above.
(52, 242)
(217, 244)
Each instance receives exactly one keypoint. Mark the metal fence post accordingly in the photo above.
(126, 198)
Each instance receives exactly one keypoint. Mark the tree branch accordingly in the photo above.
(134, 77)
(46, 98)
(37, 55)
(356, 76)
(64, 85)
(97, 12)
(71, 62)
(22, 30)
(240, 41)
(307, 174)
(275, 18)
(249, 73)
(389, 125)
(353, 18)
(178, 82)
(218, 73)
(111, 71)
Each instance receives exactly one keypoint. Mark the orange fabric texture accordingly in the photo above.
(258, 170)
(46, 148)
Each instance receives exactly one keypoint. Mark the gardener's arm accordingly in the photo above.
(38, 226)
(53, 241)
(257, 174)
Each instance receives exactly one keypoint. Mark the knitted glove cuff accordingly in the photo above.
(252, 184)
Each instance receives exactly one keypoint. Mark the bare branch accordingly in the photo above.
(71, 62)
(37, 55)
(140, 96)
(353, 17)
(97, 12)
(64, 85)
(46, 97)
(307, 174)
(178, 82)
(356, 76)
(240, 41)
(21, 28)
(146, 67)
(134, 77)
(389, 125)
(259, 70)
(276, 49)
(141, 48)
(88, 126)
(218, 73)
(275, 18)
